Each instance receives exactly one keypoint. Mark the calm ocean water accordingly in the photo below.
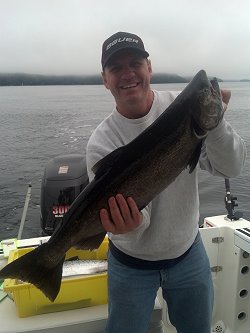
(38, 123)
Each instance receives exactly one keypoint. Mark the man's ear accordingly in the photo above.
(150, 67)
(104, 79)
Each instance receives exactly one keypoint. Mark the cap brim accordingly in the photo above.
(142, 52)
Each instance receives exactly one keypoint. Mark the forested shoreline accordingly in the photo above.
(23, 79)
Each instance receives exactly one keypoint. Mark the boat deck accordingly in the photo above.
(87, 320)
(228, 246)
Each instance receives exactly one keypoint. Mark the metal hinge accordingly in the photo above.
(216, 269)
(218, 240)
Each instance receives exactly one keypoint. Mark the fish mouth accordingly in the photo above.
(215, 85)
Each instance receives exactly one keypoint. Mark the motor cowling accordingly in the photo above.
(65, 176)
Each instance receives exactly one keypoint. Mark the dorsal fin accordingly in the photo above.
(101, 167)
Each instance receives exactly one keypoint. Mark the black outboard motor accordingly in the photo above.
(65, 176)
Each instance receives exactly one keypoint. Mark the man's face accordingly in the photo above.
(127, 75)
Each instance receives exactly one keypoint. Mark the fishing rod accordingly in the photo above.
(230, 203)
(27, 199)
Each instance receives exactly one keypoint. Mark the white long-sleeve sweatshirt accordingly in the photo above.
(170, 221)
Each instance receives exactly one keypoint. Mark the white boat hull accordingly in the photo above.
(228, 251)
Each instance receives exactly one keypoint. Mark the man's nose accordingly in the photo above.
(128, 72)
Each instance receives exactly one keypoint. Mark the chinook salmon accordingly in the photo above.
(140, 169)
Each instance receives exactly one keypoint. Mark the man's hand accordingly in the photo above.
(225, 96)
(123, 215)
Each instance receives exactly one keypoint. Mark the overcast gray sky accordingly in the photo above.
(181, 36)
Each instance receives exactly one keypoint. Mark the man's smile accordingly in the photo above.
(129, 86)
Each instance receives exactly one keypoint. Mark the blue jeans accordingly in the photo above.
(186, 287)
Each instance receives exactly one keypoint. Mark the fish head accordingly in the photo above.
(208, 110)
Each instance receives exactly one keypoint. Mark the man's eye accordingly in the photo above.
(114, 69)
(137, 64)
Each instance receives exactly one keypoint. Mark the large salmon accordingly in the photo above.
(140, 169)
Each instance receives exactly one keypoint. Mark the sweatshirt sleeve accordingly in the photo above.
(223, 152)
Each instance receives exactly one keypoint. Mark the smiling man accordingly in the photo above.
(161, 245)
(127, 73)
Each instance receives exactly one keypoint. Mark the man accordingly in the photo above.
(161, 245)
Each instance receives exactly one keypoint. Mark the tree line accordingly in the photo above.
(23, 79)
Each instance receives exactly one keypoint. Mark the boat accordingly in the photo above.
(227, 241)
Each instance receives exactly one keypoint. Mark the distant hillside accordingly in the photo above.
(22, 79)
(168, 78)
(189, 78)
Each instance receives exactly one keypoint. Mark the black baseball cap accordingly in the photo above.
(120, 41)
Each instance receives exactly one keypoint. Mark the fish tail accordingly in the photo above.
(35, 267)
